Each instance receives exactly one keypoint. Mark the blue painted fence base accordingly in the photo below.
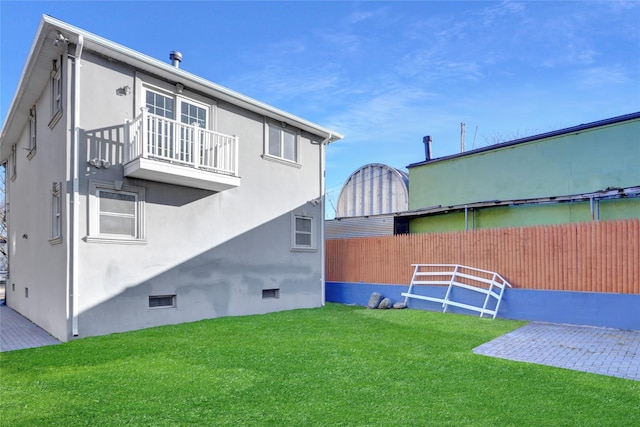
(620, 311)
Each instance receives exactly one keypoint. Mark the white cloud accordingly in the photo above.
(603, 76)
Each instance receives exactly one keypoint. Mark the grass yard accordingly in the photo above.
(332, 366)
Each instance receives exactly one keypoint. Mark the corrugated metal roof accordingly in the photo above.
(374, 189)
(362, 226)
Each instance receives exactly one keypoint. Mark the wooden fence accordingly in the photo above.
(591, 256)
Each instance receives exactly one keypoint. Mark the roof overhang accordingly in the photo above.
(570, 130)
(44, 49)
(609, 193)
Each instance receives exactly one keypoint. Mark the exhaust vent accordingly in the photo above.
(176, 58)
(427, 147)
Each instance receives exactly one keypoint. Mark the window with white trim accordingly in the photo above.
(165, 126)
(32, 133)
(116, 214)
(56, 93)
(13, 162)
(281, 143)
(56, 213)
(303, 236)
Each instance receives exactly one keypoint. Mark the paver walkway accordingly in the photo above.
(604, 351)
(18, 332)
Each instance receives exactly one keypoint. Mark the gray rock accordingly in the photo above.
(399, 305)
(385, 303)
(374, 300)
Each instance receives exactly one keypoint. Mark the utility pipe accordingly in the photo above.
(76, 59)
(322, 220)
(466, 218)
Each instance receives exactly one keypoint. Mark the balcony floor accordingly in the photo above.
(170, 173)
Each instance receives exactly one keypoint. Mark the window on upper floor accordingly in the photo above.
(32, 133)
(171, 112)
(56, 93)
(303, 236)
(116, 214)
(281, 143)
(56, 213)
(13, 162)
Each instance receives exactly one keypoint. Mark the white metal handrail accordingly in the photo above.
(489, 283)
(154, 137)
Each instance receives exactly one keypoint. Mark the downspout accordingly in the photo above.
(466, 218)
(76, 191)
(473, 219)
(323, 260)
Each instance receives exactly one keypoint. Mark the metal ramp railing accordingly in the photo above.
(488, 283)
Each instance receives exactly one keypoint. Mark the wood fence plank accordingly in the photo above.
(595, 256)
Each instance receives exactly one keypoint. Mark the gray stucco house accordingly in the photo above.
(139, 194)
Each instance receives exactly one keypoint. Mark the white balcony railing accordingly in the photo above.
(153, 137)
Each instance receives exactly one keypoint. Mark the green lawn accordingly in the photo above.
(336, 365)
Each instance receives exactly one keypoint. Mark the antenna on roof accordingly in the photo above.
(474, 137)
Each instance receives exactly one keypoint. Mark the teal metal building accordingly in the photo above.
(581, 173)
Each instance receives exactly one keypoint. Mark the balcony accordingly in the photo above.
(165, 150)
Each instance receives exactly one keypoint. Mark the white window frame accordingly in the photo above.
(56, 213)
(283, 129)
(178, 100)
(14, 162)
(32, 133)
(294, 233)
(56, 92)
(94, 235)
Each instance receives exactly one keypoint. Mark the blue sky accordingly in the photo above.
(384, 74)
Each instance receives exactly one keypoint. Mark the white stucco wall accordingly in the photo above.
(215, 251)
(37, 267)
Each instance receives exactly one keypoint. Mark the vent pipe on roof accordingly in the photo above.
(176, 58)
(427, 147)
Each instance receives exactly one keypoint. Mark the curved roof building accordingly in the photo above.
(374, 189)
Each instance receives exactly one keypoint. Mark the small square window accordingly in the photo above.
(162, 301)
(117, 211)
(270, 293)
(116, 215)
(281, 143)
(303, 232)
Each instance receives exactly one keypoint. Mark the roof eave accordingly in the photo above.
(143, 62)
(555, 133)
(168, 71)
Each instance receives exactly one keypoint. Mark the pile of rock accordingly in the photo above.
(376, 300)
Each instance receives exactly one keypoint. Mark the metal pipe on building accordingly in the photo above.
(75, 226)
(176, 58)
(323, 254)
(466, 218)
(427, 147)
